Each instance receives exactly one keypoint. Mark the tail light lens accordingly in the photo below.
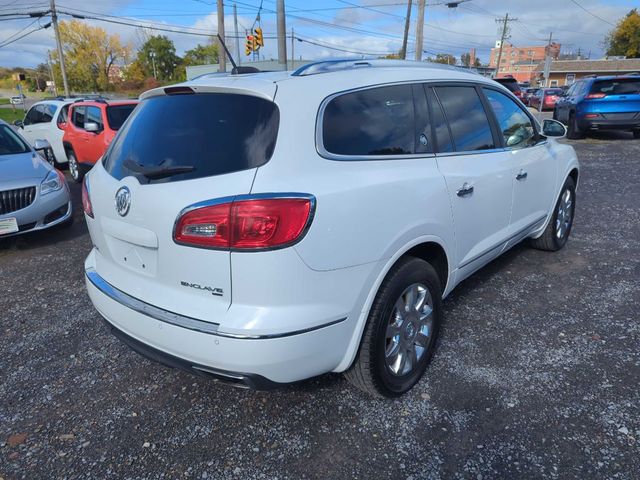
(593, 96)
(86, 200)
(246, 224)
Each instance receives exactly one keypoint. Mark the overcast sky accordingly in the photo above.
(375, 30)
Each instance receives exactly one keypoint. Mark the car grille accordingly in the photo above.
(17, 199)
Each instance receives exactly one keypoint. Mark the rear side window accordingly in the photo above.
(377, 121)
(440, 127)
(207, 134)
(515, 125)
(467, 118)
(618, 86)
(79, 116)
(117, 114)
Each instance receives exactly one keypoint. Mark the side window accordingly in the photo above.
(440, 127)
(94, 115)
(64, 114)
(48, 111)
(377, 121)
(573, 89)
(31, 116)
(78, 116)
(467, 118)
(515, 125)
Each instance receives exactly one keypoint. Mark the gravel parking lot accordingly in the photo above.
(536, 375)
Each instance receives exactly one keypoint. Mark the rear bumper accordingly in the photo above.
(602, 123)
(259, 362)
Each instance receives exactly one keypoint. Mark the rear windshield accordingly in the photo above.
(117, 114)
(511, 84)
(618, 86)
(202, 134)
(555, 91)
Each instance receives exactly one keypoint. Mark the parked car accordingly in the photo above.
(46, 120)
(33, 194)
(262, 239)
(528, 93)
(512, 85)
(547, 97)
(91, 128)
(601, 103)
(16, 100)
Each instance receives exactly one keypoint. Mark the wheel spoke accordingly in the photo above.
(408, 361)
(410, 300)
(425, 314)
(392, 349)
(421, 298)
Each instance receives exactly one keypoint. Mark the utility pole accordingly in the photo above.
(152, 54)
(282, 35)
(407, 23)
(222, 58)
(419, 30)
(505, 34)
(293, 58)
(547, 64)
(235, 24)
(63, 70)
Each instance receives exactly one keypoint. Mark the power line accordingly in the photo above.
(4, 44)
(592, 14)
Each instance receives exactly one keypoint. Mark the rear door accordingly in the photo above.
(616, 99)
(94, 142)
(477, 173)
(223, 138)
(77, 135)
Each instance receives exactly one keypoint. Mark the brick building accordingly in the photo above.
(521, 62)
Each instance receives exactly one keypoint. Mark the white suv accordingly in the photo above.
(269, 227)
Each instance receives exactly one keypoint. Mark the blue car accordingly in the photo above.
(601, 103)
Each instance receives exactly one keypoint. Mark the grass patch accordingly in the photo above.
(9, 115)
(4, 101)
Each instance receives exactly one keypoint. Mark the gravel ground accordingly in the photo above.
(536, 374)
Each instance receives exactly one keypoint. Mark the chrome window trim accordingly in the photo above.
(240, 198)
(183, 321)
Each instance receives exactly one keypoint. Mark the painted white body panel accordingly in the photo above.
(368, 214)
(48, 131)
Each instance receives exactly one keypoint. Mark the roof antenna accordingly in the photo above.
(236, 69)
(224, 45)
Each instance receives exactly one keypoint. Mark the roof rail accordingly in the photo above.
(327, 66)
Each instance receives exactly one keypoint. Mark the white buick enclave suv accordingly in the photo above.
(265, 228)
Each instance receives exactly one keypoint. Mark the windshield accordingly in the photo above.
(183, 137)
(10, 142)
(617, 86)
(117, 114)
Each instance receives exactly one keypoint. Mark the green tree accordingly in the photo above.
(201, 55)
(625, 38)
(158, 50)
(465, 59)
(445, 58)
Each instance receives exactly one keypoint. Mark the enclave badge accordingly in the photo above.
(123, 201)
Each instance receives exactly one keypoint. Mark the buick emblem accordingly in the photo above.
(123, 201)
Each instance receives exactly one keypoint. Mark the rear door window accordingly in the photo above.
(117, 114)
(79, 116)
(373, 122)
(618, 86)
(202, 135)
(94, 115)
(439, 123)
(467, 118)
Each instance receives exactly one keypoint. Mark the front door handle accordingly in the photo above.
(521, 175)
(465, 190)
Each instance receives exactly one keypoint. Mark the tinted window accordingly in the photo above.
(48, 112)
(512, 85)
(32, 116)
(467, 119)
(554, 91)
(214, 133)
(78, 116)
(10, 142)
(377, 121)
(440, 127)
(94, 115)
(117, 114)
(618, 86)
(515, 125)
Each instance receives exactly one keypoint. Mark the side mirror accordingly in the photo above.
(553, 128)
(41, 145)
(92, 127)
(18, 123)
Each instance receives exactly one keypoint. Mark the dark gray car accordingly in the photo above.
(33, 194)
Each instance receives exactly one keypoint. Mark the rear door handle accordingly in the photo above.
(465, 190)
(521, 175)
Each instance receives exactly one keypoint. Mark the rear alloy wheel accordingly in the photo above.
(76, 170)
(401, 332)
(557, 233)
(573, 130)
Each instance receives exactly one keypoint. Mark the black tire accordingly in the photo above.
(370, 372)
(549, 240)
(76, 169)
(573, 130)
(50, 157)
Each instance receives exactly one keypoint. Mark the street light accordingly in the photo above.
(152, 54)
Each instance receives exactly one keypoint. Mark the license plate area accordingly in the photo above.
(8, 226)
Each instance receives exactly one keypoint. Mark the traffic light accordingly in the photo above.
(258, 37)
(250, 45)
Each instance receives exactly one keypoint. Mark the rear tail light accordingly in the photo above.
(86, 200)
(593, 96)
(592, 115)
(246, 223)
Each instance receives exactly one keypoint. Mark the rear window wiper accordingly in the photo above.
(157, 172)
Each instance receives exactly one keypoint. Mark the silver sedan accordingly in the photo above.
(33, 194)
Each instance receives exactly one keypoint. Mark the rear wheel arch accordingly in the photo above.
(434, 254)
(574, 175)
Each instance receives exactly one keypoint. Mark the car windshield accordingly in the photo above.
(183, 137)
(617, 86)
(117, 114)
(10, 142)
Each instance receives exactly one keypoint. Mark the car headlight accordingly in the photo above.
(52, 182)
